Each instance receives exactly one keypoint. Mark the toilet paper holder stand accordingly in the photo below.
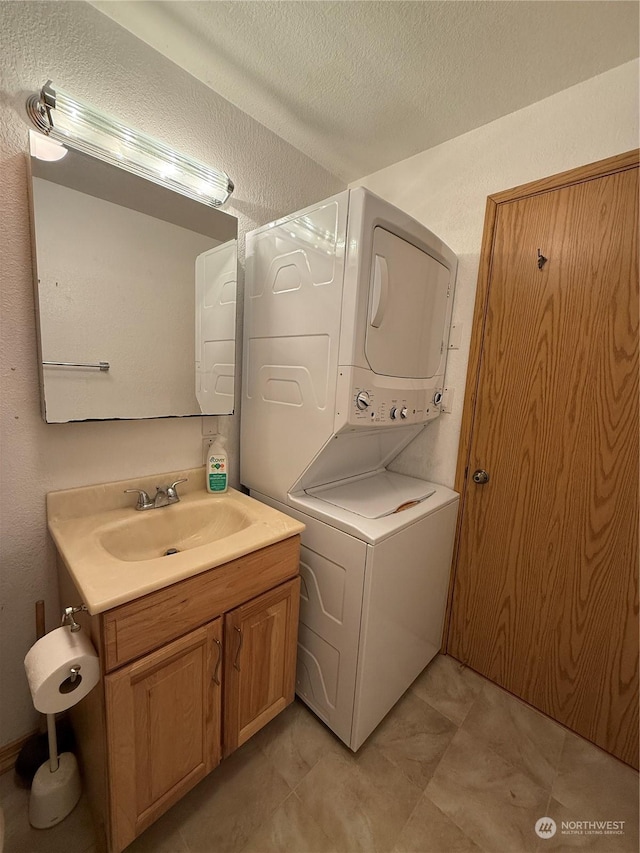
(67, 617)
(56, 786)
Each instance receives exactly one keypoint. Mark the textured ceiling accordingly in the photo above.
(359, 85)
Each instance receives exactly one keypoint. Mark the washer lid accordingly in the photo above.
(376, 494)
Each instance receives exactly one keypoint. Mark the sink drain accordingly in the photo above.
(170, 551)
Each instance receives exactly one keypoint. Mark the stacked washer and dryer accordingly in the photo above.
(347, 316)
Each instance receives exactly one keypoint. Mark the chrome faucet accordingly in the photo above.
(165, 495)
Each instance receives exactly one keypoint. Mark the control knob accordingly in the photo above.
(396, 413)
(363, 400)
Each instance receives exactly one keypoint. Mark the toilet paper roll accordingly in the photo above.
(49, 664)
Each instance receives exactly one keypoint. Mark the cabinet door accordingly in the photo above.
(260, 661)
(163, 729)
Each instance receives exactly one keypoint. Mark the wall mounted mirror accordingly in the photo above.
(135, 295)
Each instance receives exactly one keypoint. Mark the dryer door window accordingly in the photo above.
(407, 309)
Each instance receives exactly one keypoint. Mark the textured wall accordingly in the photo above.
(93, 58)
(446, 188)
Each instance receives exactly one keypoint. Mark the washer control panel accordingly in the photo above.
(375, 405)
(364, 401)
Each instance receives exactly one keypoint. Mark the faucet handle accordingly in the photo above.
(172, 494)
(144, 501)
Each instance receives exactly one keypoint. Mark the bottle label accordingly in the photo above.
(217, 473)
(217, 482)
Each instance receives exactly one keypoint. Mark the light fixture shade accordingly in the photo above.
(45, 148)
(62, 117)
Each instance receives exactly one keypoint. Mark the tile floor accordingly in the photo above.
(457, 766)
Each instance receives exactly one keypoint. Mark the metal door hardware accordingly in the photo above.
(216, 671)
(480, 476)
(236, 663)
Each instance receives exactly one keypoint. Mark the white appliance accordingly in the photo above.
(215, 298)
(347, 315)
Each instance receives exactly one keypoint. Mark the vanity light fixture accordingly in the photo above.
(45, 148)
(62, 117)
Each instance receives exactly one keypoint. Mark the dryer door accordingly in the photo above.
(407, 310)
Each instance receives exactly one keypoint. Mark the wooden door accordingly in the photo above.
(260, 661)
(545, 599)
(163, 729)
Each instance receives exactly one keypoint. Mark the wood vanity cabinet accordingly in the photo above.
(191, 672)
(163, 728)
(260, 647)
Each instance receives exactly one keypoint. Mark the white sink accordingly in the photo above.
(115, 553)
(180, 527)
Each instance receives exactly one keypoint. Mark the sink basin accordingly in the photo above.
(115, 554)
(180, 527)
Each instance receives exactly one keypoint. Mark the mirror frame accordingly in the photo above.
(93, 177)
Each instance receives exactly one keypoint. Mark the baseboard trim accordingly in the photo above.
(10, 751)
